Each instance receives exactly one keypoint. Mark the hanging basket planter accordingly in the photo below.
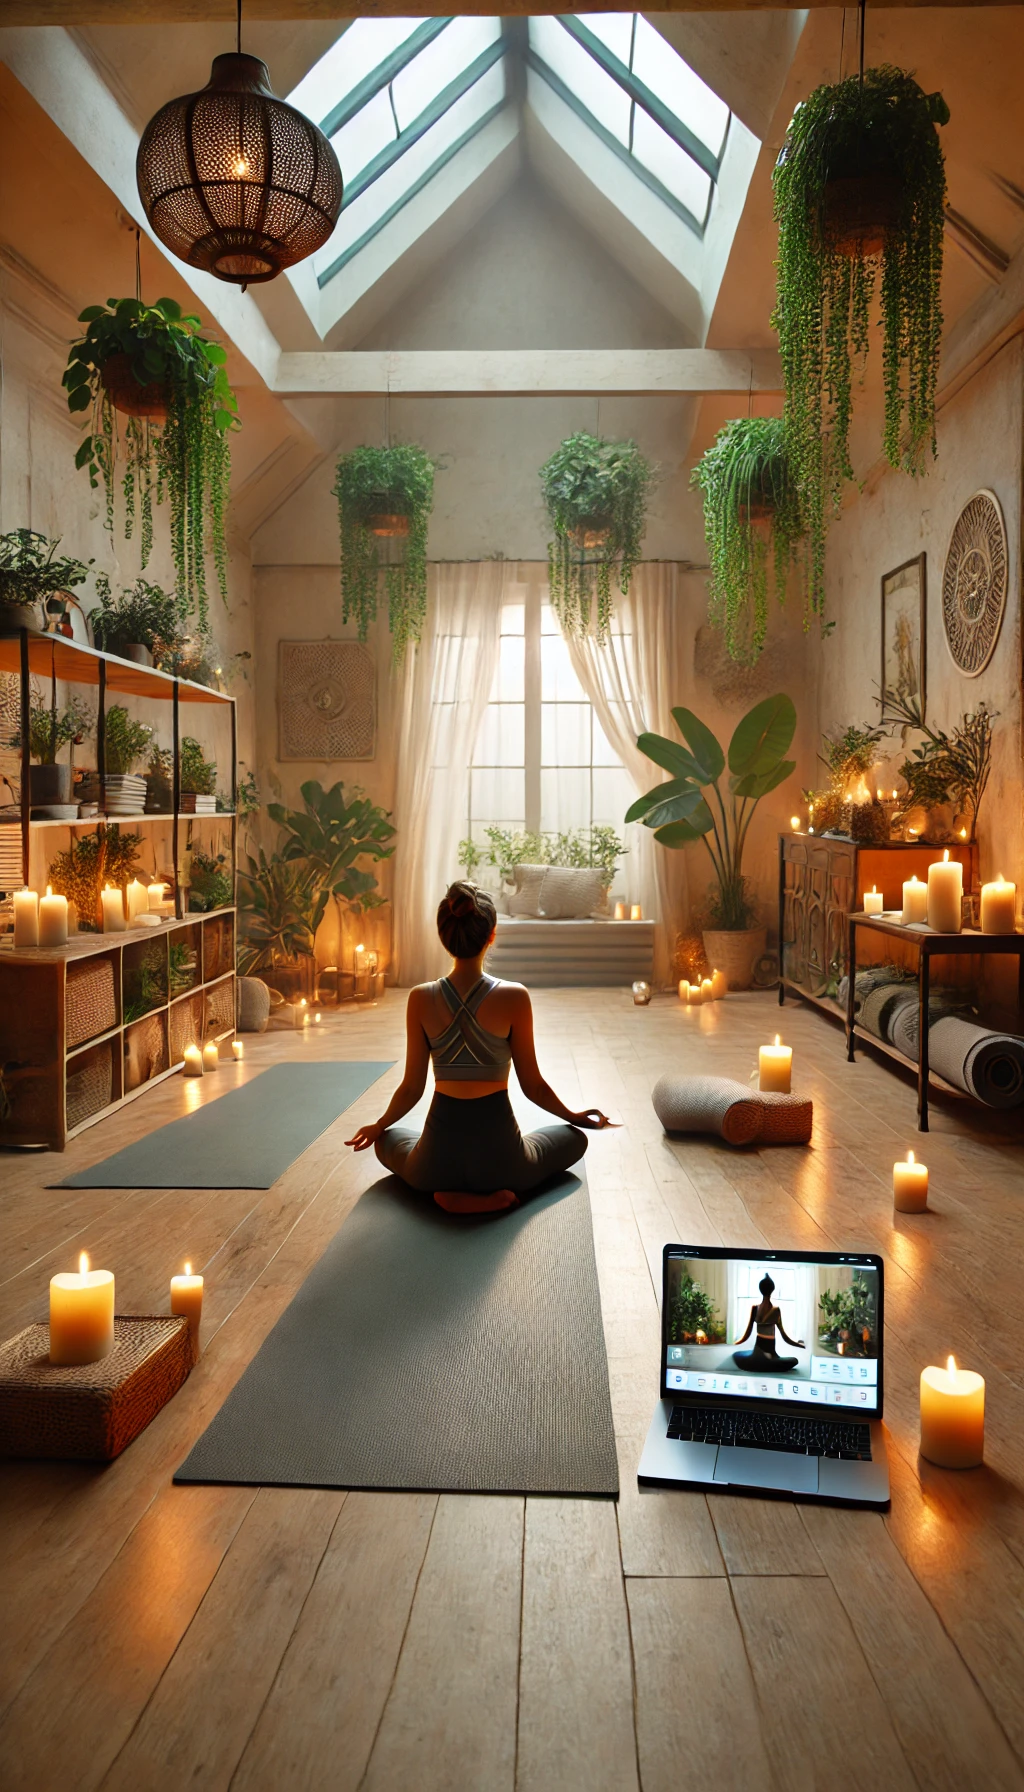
(128, 395)
(385, 496)
(387, 527)
(861, 213)
(595, 493)
(753, 527)
(591, 538)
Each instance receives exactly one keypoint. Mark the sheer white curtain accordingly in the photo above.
(633, 682)
(446, 683)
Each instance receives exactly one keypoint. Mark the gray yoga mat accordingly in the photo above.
(246, 1138)
(988, 1065)
(431, 1353)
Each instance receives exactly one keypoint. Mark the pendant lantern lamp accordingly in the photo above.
(234, 180)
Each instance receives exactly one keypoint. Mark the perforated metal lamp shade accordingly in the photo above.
(234, 180)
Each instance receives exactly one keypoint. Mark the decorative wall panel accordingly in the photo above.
(327, 700)
(974, 583)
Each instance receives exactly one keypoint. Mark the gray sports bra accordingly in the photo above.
(465, 1051)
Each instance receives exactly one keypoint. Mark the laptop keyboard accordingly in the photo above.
(770, 1431)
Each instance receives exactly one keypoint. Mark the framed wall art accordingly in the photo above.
(904, 613)
(326, 700)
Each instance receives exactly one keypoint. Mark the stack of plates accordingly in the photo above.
(204, 805)
(125, 793)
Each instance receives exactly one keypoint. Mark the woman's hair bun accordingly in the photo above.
(466, 919)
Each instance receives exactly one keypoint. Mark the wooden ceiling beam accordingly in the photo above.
(205, 12)
(526, 373)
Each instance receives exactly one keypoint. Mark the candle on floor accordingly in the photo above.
(81, 1314)
(774, 1068)
(707, 991)
(872, 901)
(137, 895)
(915, 901)
(187, 1302)
(952, 1416)
(945, 894)
(26, 918)
(636, 913)
(719, 984)
(53, 919)
(641, 993)
(113, 909)
(999, 906)
(910, 1186)
(155, 896)
(684, 988)
(694, 995)
(237, 1050)
(316, 1020)
(620, 911)
(211, 1055)
(193, 1061)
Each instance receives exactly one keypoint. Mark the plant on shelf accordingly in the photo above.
(753, 527)
(385, 496)
(197, 775)
(849, 755)
(328, 835)
(247, 797)
(860, 191)
(209, 882)
(125, 741)
(32, 571)
(161, 404)
(595, 492)
(849, 1318)
(182, 967)
(53, 727)
(143, 615)
(144, 982)
(692, 1315)
(278, 900)
(92, 861)
(193, 656)
(946, 767)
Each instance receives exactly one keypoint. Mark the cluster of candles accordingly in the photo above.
(629, 911)
(200, 1058)
(46, 921)
(703, 989)
(938, 903)
(82, 1311)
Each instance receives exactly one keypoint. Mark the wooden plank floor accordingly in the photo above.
(156, 1636)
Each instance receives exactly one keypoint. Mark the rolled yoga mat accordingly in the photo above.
(245, 1138)
(989, 1066)
(431, 1353)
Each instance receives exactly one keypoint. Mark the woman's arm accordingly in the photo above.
(797, 1343)
(414, 1078)
(750, 1326)
(533, 1085)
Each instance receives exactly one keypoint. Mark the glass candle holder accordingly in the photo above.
(641, 993)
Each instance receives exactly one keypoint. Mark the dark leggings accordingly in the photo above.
(476, 1147)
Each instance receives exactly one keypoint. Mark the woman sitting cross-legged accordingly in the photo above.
(471, 1155)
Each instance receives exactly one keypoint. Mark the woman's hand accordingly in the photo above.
(593, 1120)
(366, 1136)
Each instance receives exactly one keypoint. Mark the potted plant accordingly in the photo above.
(595, 493)
(49, 729)
(160, 401)
(197, 779)
(860, 188)
(209, 882)
(159, 781)
(947, 768)
(278, 899)
(753, 527)
(93, 860)
(31, 572)
(849, 755)
(125, 743)
(385, 496)
(328, 835)
(142, 619)
(692, 805)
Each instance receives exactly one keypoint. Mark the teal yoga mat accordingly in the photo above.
(244, 1139)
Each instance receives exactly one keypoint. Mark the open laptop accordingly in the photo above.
(787, 1400)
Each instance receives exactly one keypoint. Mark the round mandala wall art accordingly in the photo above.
(974, 583)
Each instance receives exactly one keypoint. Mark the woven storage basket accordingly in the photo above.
(185, 1025)
(788, 1120)
(220, 1008)
(90, 1088)
(90, 1000)
(89, 1412)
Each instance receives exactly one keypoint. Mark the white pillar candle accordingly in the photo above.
(945, 895)
(620, 911)
(193, 1061)
(155, 897)
(138, 900)
(53, 919)
(636, 913)
(952, 1416)
(694, 995)
(872, 901)
(187, 1302)
(999, 907)
(719, 984)
(26, 918)
(684, 988)
(706, 990)
(237, 1050)
(774, 1067)
(81, 1315)
(211, 1056)
(910, 1186)
(915, 901)
(113, 910)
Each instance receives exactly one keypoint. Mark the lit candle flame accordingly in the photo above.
(874, 889)
(359, 948)
(188, 1269)
(963, 833)
(778, 1039)
(945, 856)
(951, 1365)
(910, 1157)
(241, 166)
(83, 1263)
(49, 888)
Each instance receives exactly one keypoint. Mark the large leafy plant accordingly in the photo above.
(872, 142)
(595, 493)
(753, 527)
(32, 570)
(185, 458)
(143, 613)
(692, 804)
(51, 727)
(277, 899)
(328, 835)
(375, 485)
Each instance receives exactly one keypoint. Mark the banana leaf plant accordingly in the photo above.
(277, 900)
(328, 834)
(693, 805)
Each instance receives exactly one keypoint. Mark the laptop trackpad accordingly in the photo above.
(767, 1468)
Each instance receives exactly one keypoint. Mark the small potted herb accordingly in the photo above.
(125, 743)
(595, 493)
(49, 729)
(210, 884)
(31, 574)
(385, 496)
(197, 780)
(159, 781)
(140, 620)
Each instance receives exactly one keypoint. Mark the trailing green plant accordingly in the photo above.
(92, 860)
(880, 127)
(328, 835)
(753, 527)
(278, 899)
(186, 459)
(210, 885)
(598, 848)
(197, 775)
(946, 766)
(31, 569)
(595, 492)
(125, 741)
(678, 811)
(247, 796)
(51, 727)
(144, 983)
(375, 483)
(143, 613)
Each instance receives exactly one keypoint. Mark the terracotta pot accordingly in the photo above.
(127, 395)
(735, 953)
(388, 525)
(761, 509)
(592, 534)
(860, 212)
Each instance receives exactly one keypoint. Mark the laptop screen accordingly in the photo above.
(803, 1329)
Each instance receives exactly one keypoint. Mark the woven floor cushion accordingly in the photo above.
(732, 1111)
(253, 1005)
(788, 1120)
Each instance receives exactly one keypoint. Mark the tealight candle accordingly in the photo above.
(620, 911)
(237, 1050)
(952, 1416)
(316, 1020)
(636, 913)
(719, 984)
(684, 989)
(794, 822)
(193, 1061)
(774, 1068)
(26, 918)
(187, 1302)
(694, 995)
(910, 1186)
(915, 902)
(945, 895)
(81, 1315)
(706, 989)
(137, 896)
(113, 910)
(872, 901)
(53, 919)
(998, 906)
(155, 896)
(211, 1055)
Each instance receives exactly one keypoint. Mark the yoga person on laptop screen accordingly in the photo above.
(471, 1155)
(767, 1318)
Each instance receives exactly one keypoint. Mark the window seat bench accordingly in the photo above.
(600, 954)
